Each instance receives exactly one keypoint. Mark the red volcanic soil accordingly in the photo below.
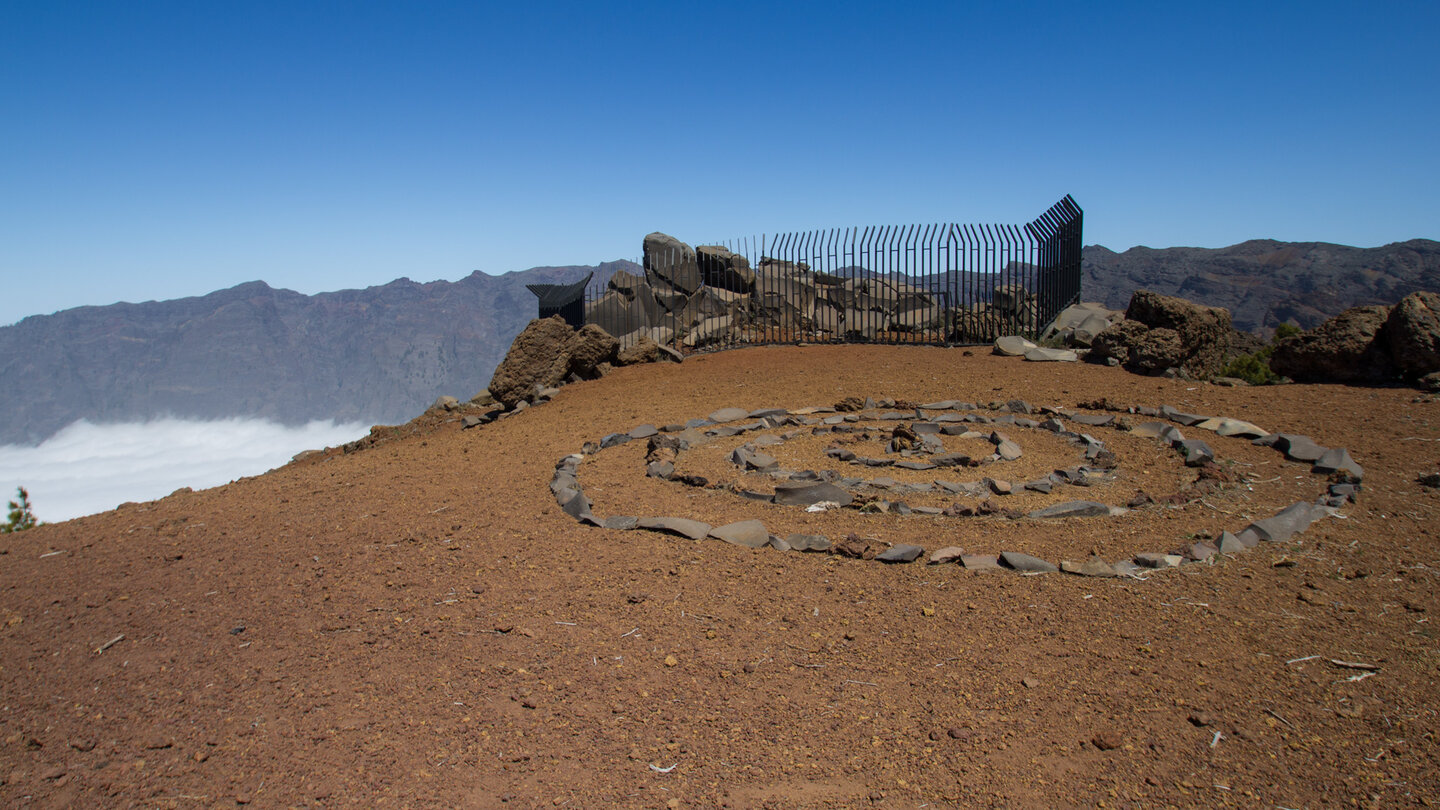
(418, 624)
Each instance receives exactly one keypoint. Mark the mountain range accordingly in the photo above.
(381, 354)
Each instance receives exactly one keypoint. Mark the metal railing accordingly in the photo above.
(933, 284)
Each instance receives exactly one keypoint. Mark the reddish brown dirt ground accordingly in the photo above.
(423, 626)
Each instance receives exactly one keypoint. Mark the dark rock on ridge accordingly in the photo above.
(1264, 283)
(1412, 333)
(1162, 332)
(1343, 349)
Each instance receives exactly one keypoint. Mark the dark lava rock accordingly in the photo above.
(902, 553)
(1343, 349)
(1026, 563)
(1412, 333)
(1072, 509)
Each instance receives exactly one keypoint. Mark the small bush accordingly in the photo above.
(1255, 368)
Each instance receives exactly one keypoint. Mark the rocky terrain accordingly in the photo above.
(382, 353)
(1264, 283)
(423, 620)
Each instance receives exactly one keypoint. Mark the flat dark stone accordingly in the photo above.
(685, 527)
(1186, 419)
(1230, 544)
(950, 460)
(1338, 460)
(1072, 509)
(1093, 419)
(644, 432)
(902, 553)
(1026, 563)
(1195, 452)
(1286, 523)
(915, 465)
(621, 522)
(614, 439)
(1299, 448)
(807, 494)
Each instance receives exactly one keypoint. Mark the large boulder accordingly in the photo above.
(1204, 332)
(1343, 349)
(536, 359)
(719, 267)
(1114, 342)
(587, 348)
(642, 349)
(672, 262)
(1412, 333)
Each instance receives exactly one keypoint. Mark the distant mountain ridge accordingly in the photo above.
(378, 354)
(1263, 282)
(382, 354)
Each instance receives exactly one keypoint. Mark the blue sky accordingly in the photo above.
(157, 150)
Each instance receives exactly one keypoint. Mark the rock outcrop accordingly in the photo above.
(1161, 332)
(537, 359)
(1368, 345)
(1412, 334)
(1342, 349)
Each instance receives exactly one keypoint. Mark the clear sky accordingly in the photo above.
(162, 149)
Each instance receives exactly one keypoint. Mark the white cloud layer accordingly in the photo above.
(89, 468)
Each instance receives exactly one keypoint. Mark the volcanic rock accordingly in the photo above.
(536, 359)
(1412, 333)
(1343, 349)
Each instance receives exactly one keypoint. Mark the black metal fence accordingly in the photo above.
(934, 284)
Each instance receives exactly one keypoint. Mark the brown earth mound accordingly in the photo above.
(419, 624)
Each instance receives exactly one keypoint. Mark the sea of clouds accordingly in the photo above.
(88, 468)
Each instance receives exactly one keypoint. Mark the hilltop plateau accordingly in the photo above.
(418, 623)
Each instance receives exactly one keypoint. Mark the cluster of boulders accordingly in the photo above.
(828, 490)
(708, 295)
(1369, 345)
(1162, 332)
(549, 353)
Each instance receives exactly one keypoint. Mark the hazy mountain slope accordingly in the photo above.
(378, 354)
(381, 354)
(1264, 282)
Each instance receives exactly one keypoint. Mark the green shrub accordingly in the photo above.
(21, 518)
(1255, 368)
(1252, 368)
